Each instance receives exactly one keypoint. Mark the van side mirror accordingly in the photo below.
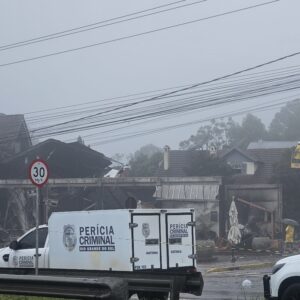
(14, 245)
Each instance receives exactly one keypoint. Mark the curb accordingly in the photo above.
(240, 267)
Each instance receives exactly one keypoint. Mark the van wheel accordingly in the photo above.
(153, 296)
(292, 292)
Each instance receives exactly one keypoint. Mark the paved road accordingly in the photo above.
(228, 285)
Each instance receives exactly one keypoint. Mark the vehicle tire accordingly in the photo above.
(153, 296)
(292, 292)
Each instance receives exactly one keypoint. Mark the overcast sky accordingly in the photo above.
(169, 58)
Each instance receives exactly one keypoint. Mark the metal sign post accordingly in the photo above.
(38, 174)
(37, 204)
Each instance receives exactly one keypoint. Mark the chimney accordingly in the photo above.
(166, 157)
(212, 151)
(126, 170)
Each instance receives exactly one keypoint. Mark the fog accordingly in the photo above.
(173, 57)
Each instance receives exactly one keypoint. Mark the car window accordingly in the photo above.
(28, 241)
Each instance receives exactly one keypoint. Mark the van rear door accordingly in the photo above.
(180, 240)
(146, 241)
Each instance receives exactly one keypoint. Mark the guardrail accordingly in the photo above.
(121, 284)
(65, 287)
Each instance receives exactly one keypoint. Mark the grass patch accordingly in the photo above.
(22, 297)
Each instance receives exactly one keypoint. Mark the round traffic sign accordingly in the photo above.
(38, 172)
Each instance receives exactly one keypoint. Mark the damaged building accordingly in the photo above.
(65, 160)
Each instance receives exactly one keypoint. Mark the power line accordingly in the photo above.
(242, 76)
(174, 92)
(256, 84)
(248, 109)
(162, 110)
(166, 128)
(88, 25)
(173, 127)
(136, 35)
(255, 89)
(211, 91)
(93, 27)
(174, 111)
(104, 100)
(181, 108)
(239, 80)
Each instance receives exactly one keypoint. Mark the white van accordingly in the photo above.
(153, 250)
(119, 240)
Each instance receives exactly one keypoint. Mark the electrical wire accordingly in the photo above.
(185, 107)
(121, 137)
(155, 98)
(93, 27)
(136, 34)
(83, 109)
(88, 25)
(273, 104)
(127, 105)
(280, 84)
(37, 116)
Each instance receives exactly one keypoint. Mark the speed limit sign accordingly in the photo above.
(38, 172)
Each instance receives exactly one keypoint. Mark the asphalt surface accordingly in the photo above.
(227, 285)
